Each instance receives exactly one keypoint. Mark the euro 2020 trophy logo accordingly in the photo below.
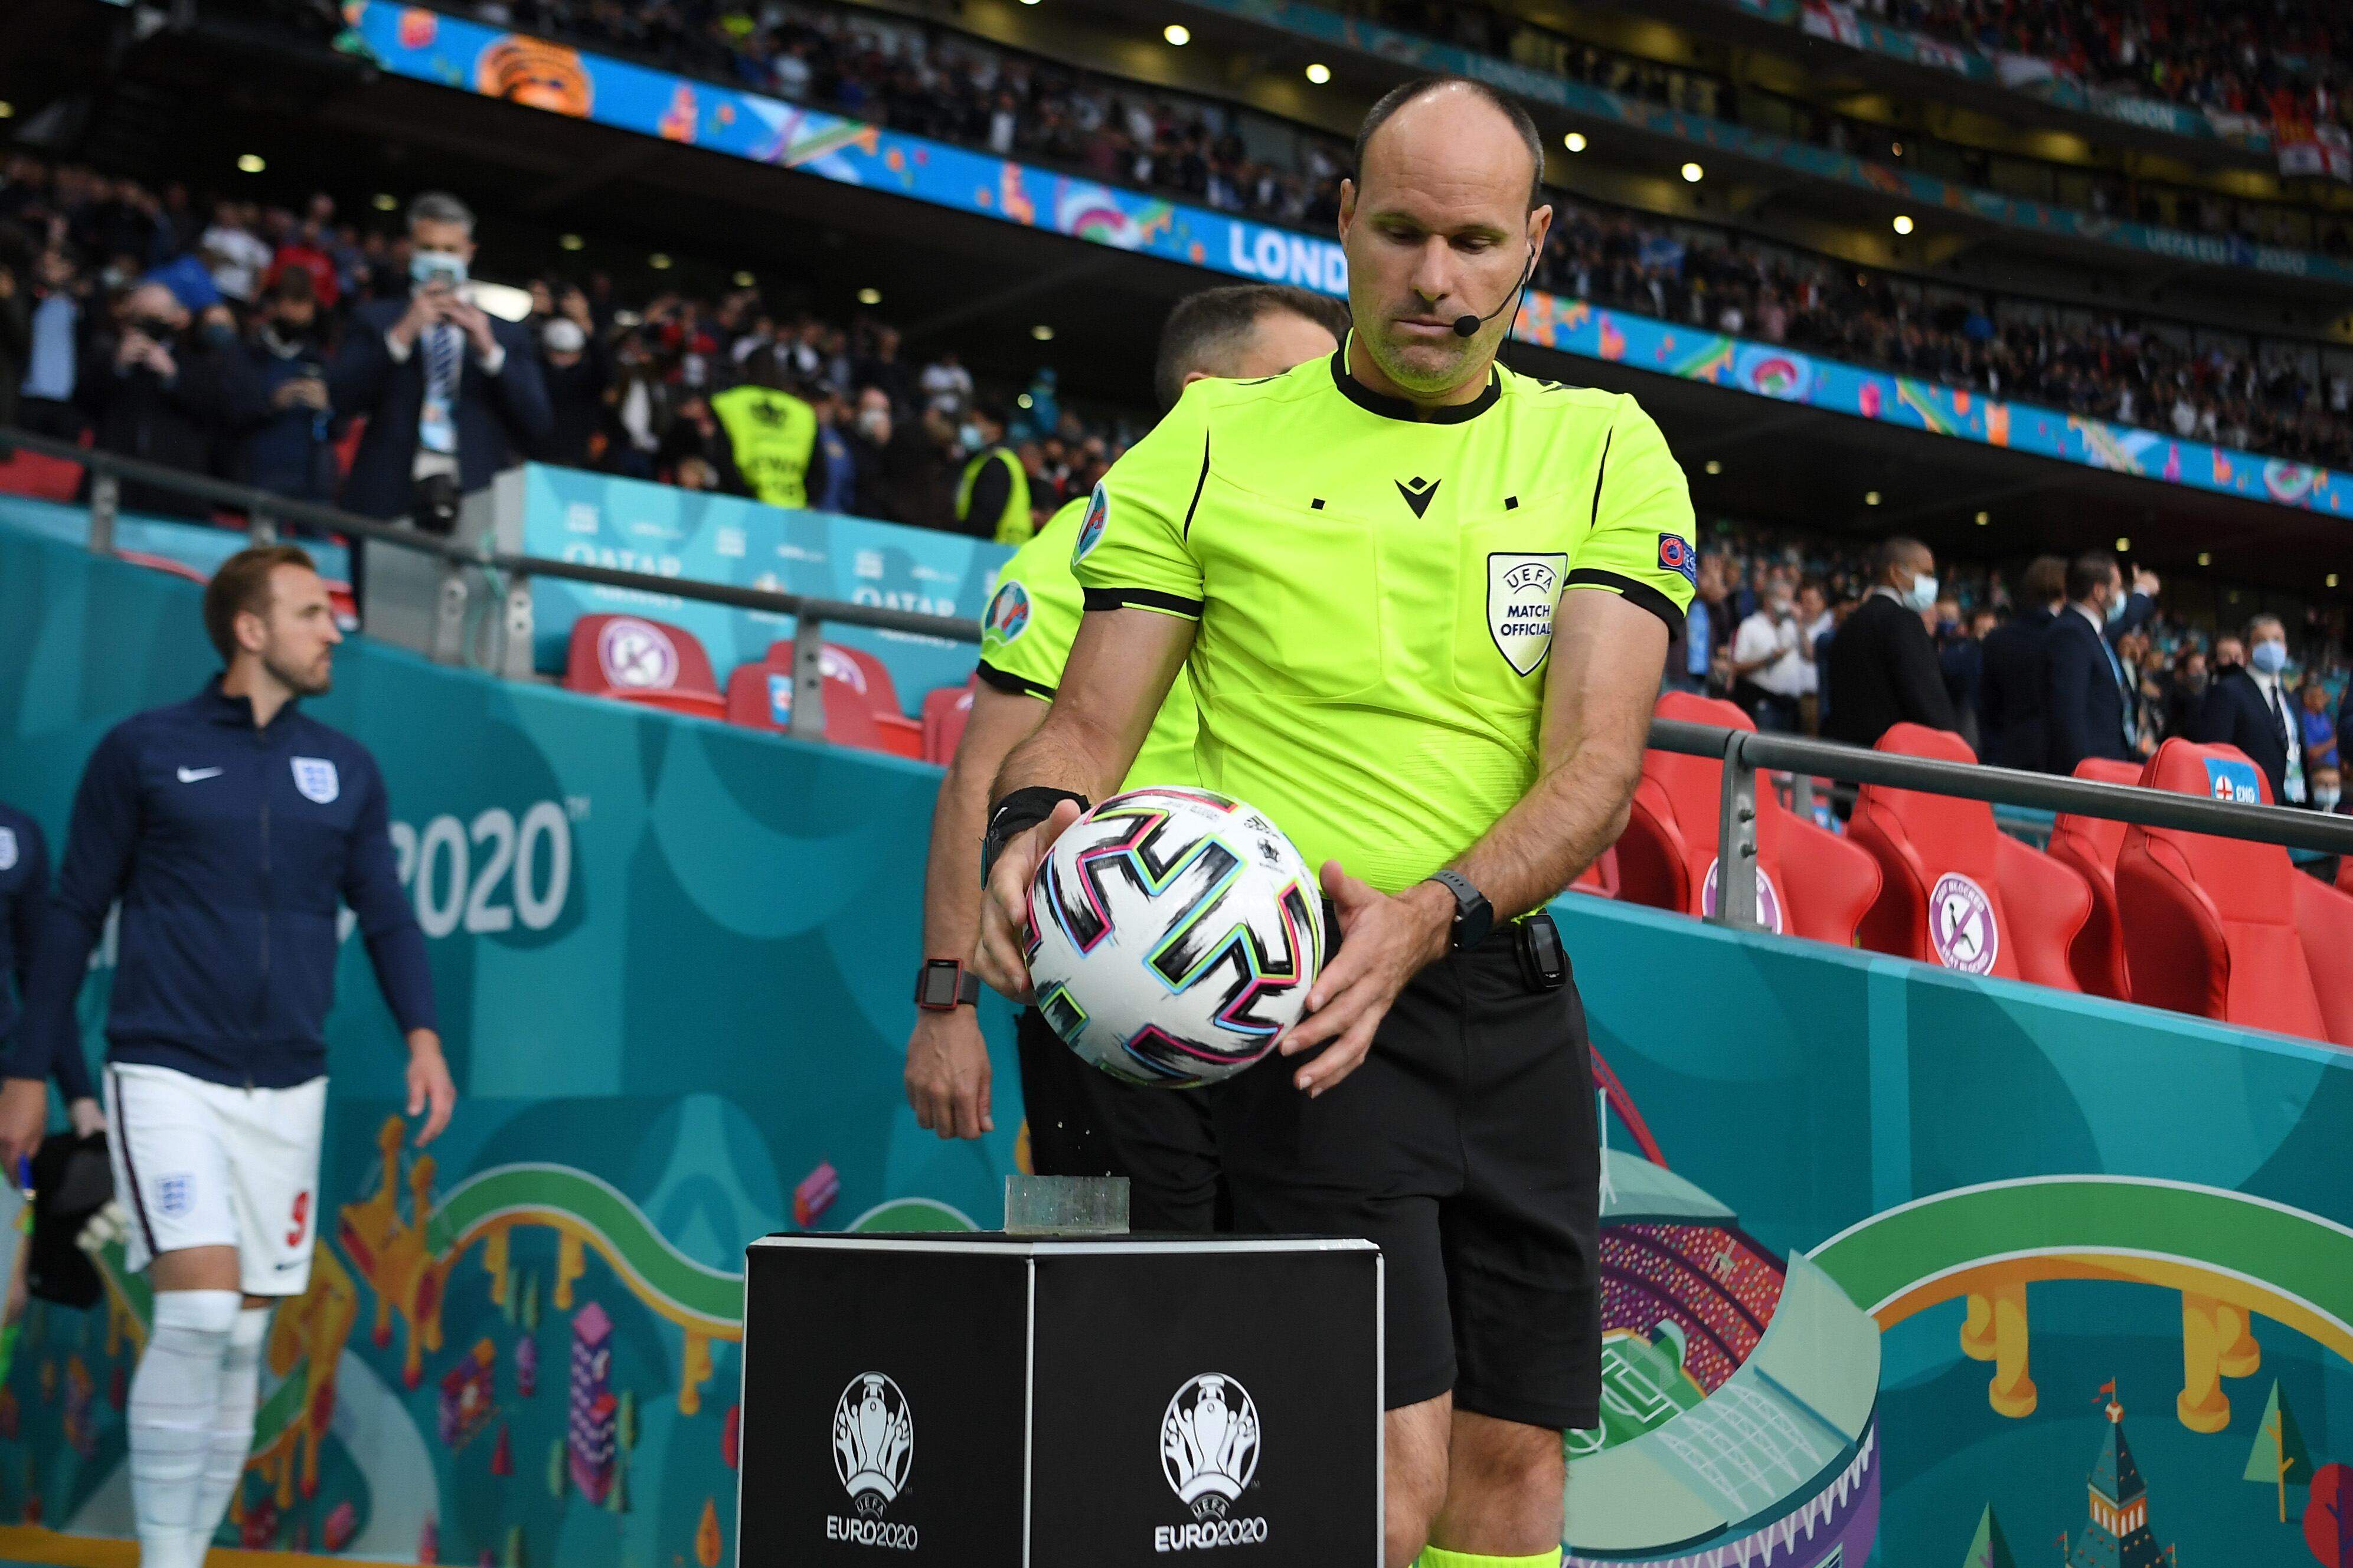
(873, 1442)
(1209, 1444)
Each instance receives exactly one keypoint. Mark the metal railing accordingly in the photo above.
(1743, 753)
(264, 511)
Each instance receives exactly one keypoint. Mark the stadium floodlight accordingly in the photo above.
(2332, 579)
(1871, 498)
(570, 241)
(386, 201)
(659, 261)
(1694, 173)
(2205, 558)
(1716, 465)
(869, 296)
(1024, 401)
(746, 281)
(1042, 332)
(1903, 222)
(1319, 73)
(250, 163)
(1983, 519)
(1177, 33)
(2122, 544)
(7, 109)
(1575, 142)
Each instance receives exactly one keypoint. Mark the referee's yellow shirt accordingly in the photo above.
(1026, 637)
(1375, 592)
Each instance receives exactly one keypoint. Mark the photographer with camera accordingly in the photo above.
(154, 389)
(278, 403)
(451, 394)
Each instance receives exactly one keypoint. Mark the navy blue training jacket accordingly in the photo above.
(229, 846)
(24, 909)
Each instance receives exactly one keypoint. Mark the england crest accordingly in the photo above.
(315, 777)
(7, 848)
(1521, 592)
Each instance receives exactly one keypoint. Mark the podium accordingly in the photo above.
(998, 1401)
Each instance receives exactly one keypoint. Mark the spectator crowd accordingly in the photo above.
(257, 343)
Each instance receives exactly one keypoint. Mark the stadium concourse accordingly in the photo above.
(841, 301)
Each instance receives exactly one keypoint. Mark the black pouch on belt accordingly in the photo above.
(1544, 962)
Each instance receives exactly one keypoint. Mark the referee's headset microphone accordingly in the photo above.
(1467, 326)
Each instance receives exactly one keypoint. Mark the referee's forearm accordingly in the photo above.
(952, 867)
(1558, 828)
(1066, 751)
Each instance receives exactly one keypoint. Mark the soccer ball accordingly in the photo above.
(1173, 936)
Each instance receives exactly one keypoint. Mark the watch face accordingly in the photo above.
(939, 985)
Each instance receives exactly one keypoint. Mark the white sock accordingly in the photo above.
(232, 1434)
(175, 1402)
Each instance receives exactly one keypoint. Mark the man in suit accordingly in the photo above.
(1881, 663)
(2010, 691)
(451, 394)
(2086, 699)
(2248, 707)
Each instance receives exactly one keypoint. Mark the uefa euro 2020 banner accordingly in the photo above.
(1900, 1266)
(468, 57)
(629, 525)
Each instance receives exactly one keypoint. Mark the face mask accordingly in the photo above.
(968, 437)
(2327, 799)
(1922, 595)
(2116, 610)
(220, 334)
(871, 422)
(1779, 609)
(2271, 657)
(2194, 681)
(426, 266)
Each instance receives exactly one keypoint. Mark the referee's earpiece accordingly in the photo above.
(1468, 326)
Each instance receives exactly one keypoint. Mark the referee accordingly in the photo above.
(1424, 604)
(1082, 1123)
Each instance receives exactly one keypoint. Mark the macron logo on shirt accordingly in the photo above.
(193, 775)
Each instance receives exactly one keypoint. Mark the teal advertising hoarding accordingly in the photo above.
(1878, 1238)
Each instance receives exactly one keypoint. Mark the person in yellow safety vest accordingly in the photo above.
(772, 435)
(993, 496)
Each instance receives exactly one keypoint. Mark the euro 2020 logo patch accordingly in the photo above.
(1009, 613)
(873, 1451)
(1675, 554)
(1209, 1441)
(1091, 527)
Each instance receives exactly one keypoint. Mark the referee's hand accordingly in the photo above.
(1388, 942)
(998, 959)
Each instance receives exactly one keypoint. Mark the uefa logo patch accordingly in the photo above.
(1675, 554)
(1961, 926)
(1009, 613)
(1091, 527)
(636, 655)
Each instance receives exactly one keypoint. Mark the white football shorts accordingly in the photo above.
(206, 1165)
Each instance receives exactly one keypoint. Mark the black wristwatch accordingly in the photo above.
(1474, 917)
(943, 985)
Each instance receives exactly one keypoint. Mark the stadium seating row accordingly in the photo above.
(2221, 928)
(632, 658)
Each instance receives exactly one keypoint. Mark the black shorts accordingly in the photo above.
(1465, 1147)
(1085, 1122)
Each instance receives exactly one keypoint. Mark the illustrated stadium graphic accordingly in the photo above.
(1739, 1394)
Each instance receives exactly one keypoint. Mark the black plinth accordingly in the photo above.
(1020, 1402)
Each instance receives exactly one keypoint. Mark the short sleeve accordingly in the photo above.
(1132, 551)
(1033, 617)
(1638, 542)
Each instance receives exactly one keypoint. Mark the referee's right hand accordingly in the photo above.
(24, 1117)
(999, 958)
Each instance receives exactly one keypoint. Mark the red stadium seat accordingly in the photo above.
(2089, 845)
(2210, 925)
(853, 675)
(1813, 883)
(1946, 870)
(1599, 878)
(640, 660)
(945, 712)
(760, 697)
(163, 563)
(2324, 918)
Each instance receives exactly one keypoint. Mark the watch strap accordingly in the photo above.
(967, 985)
(1474, 917)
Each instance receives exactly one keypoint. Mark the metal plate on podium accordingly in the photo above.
(1023, 1401)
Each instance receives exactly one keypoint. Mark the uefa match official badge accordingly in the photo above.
(873, 1453)
(1521, 592)
(1209, 1441)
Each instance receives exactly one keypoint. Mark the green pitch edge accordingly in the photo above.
(525, 1191)
(2291, 1251)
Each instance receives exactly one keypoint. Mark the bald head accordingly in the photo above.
(154, 302)
(1440, 223)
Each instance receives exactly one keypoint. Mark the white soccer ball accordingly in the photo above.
(1173, 936)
